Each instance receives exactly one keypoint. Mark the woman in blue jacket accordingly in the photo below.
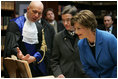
(98, 49)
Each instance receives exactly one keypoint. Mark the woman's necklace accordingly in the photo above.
(91, 45)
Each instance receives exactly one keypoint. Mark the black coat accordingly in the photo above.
(65, 57)
(60, 26)
(14, 39)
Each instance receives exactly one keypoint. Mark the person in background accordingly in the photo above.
(50, 17)
(97, 48)
(65, 60)
(24, 39)
(108, 25)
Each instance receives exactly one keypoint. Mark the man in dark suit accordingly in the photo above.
(50, 18)
(65, 60)
(108, 25)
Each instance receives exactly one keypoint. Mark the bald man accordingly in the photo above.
(24, 38)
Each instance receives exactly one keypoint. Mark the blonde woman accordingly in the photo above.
(98, 49)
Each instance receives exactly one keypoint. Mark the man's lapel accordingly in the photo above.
(68, 43)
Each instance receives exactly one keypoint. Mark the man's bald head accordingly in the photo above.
(35, 10)
(37, 4)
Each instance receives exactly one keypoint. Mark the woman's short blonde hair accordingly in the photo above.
(85, 18)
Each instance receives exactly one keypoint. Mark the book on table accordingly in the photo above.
(17, 68)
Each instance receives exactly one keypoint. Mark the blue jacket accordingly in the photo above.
(104, 64)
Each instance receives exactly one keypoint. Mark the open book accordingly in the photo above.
(17, 68)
